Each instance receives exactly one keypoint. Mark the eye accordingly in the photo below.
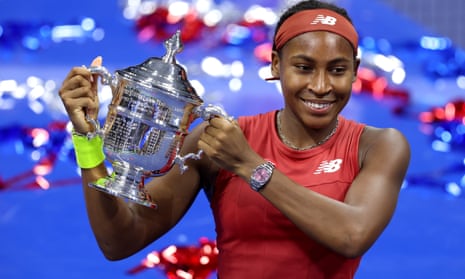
(338, 70)
(304, 67)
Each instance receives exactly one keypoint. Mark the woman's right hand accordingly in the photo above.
(79, 96)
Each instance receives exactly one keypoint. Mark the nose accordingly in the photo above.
(320, 83)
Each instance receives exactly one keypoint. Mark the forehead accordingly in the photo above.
(320, 43)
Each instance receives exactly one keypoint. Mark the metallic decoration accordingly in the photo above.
(150, 113)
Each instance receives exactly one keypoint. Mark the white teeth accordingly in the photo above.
(317, 106)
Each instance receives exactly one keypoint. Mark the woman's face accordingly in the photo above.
(316, 70)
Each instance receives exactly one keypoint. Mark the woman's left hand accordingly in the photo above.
(225, 144)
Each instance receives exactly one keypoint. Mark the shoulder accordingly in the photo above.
(373, 135)
(258, 121)
(382, 144)
(250, 119)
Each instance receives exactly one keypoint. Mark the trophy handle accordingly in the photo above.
(96, 125)
(210, 111)
(181, 160)
(106, 76)
(106, 79)
(206, 113)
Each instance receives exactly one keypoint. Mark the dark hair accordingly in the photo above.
(308, 5)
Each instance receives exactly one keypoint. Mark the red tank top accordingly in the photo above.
(254, 239)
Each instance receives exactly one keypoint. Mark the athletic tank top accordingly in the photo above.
(255, 239)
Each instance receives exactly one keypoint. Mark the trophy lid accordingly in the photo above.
(164, 73)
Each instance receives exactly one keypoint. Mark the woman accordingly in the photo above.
(301, 192)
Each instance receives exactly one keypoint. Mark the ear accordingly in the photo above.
(356, 65)
(275, 64)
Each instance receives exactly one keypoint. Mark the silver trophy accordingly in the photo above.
(150, 113)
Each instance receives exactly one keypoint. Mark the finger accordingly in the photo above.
(95, 63)
(209, 131)
(81, 94)
(76, 87)
(206, 143)
(206, 136)
(218, 130)
(92, 111)
(219, 122)
(77, 81)
(74, 72)
(75, 106)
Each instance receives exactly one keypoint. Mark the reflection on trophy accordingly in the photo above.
(152, 108)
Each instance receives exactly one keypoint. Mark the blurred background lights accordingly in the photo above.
(87, 28)
(398, 76)
(237, 69)
(36, 93)
(8, 85)
(31, 43)
(198, 86)
(435, 43)
(264, 72)
(42, 183)
(440, 146)
(66, 32)
(236, 34)
(98, 34)
(453, 189)
(39, 136)
(389, 65)
(35, 155)
(212, 66)
(33, 81)
(235, 84)
(259, 13)
(446, 136)
(384, 46)
(203, 6)
(368, 43)
(212, 18)
(461, 82)
(177, 10)
(88, 24)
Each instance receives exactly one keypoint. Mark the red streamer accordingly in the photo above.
(182, 262)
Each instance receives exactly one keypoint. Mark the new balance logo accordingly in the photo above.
(328, 20)
(329, 166)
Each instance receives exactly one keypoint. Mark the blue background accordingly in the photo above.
(45, 233)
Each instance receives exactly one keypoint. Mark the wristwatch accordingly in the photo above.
(261, 175)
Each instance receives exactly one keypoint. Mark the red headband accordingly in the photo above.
(316, 20)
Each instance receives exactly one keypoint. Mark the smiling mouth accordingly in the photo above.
(317, 106)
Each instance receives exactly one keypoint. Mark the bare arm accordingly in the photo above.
(122, 228)
(352, 226)
(348, 227)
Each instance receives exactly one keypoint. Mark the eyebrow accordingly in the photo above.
(333, 61)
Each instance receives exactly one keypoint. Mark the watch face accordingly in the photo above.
(261, 175)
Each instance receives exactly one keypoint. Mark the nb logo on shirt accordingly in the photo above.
(329, 166)
(328, 20)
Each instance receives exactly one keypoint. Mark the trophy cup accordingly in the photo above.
(149, 115)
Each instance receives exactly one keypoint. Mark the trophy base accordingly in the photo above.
(118, 187)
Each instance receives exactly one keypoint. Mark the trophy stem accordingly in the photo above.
(126, 182)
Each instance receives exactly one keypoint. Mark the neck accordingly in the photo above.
(290, 143)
